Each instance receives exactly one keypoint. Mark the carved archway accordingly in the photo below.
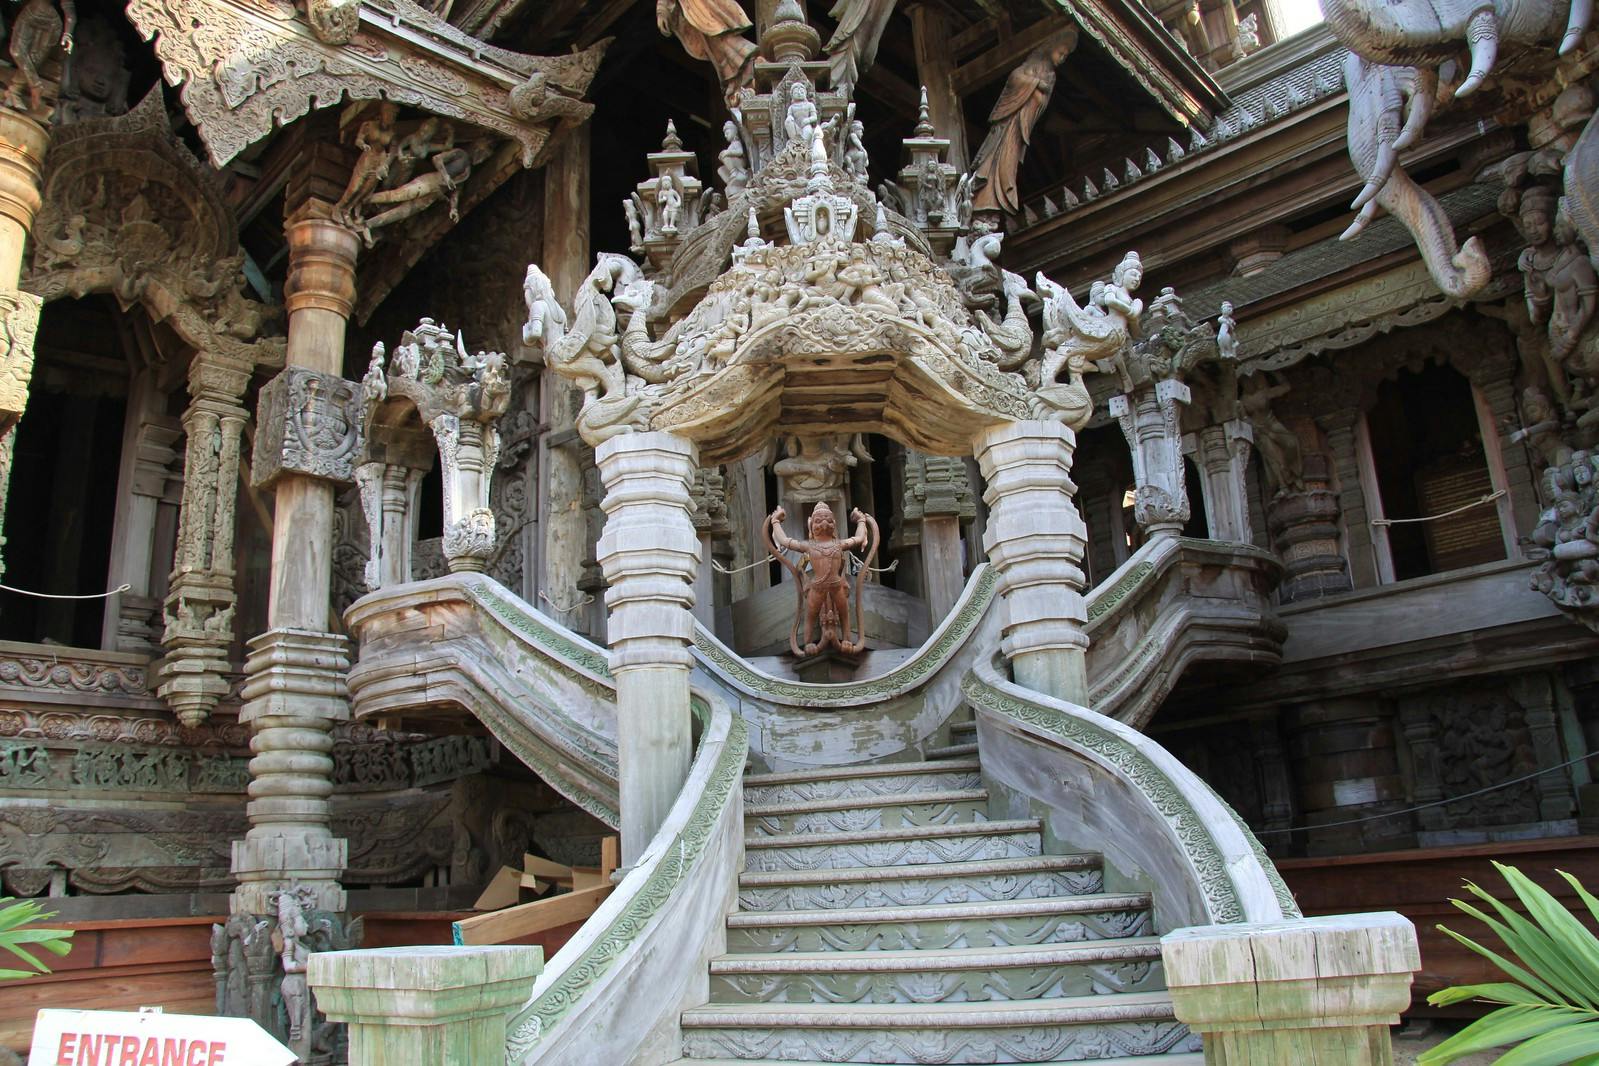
(129, 211)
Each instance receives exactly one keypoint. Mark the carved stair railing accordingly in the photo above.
(1176, 601)
(462, 646)
(644, 953)
(466, 645)
(1104, 786)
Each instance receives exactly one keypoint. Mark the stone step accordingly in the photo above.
(848, 814)
(1066, 1029)
(1091, 967)
(878, 779)
(902, 846)
(953, 751)
(1060, 920)
(920, 885)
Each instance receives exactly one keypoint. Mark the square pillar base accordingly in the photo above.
(425, 1004)
(1306, 990)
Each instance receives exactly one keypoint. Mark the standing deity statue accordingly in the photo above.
(1280, 452)
(669, 202)
(734, 168)
(1010, 127)
(712, 30)
(822, 584)
(1560, 281)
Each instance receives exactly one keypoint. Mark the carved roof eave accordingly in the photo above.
(248, 67)
(1142, 47)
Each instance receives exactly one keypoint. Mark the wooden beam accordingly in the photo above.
(603, 19)
(890, 88)
(935, 66)
(513, 923)
(1003, 57)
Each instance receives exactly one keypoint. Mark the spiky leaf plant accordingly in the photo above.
(15, 918)
(1549, 1009)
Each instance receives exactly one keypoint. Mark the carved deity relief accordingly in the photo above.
(822, 580)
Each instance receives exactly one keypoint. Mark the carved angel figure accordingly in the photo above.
(1280, 452)
(1560, 281)
(450, 170)
(375, 139)
(712, 30)
(589, 353)
(1101, 330)
(1010, 126)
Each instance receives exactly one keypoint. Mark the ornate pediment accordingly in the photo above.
(245, 67)
(128, 210)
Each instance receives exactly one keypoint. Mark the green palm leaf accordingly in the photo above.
(1550, 1007)
(15, 917)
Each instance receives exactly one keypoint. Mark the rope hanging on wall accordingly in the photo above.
(64, 596)
(1492, 496)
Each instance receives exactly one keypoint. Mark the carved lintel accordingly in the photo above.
(247, 68)
(307, 423)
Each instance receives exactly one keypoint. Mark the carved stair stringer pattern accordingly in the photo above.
(931, 933)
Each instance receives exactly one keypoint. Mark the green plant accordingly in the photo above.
(1549, 1010)
(15, 916)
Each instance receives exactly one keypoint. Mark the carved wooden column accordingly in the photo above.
(1343, 457)
(650, 555)
(1035, 540)
(1305, 525)
(566, 261)
(1149, 419)
(1221, 453)
(938, 498)
(1556, 794)
(710, 525)
(935, 66)
(295, 690)
(22, 146)
(200, 595)
(147, 474)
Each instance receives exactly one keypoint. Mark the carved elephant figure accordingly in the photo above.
(1427, 32)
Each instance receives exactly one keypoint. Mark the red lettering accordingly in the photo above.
(64, 1052)
(196, 1054)
(152, 1052)
(109, 1046)
(172, 1053)
(217, 1050)
(130, 1052)
(89, 1049)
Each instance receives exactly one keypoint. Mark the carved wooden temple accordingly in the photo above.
(1014, 513)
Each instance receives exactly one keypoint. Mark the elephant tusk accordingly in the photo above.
(1367, 213)
(1482, 36)
(1422, 95)
(1577, 25)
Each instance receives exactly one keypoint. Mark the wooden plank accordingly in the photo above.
(610, 856)
(498, 927)
(502, 891)
(545, 868)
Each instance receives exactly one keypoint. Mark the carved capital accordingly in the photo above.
(307, 423)
(322, 256)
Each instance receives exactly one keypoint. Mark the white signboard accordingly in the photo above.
(150, 1038)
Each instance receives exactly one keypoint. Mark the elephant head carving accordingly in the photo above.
(1426, 32)
(1392, 75)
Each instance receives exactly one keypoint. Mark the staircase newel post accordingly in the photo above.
(1035, 539)
(650, 554)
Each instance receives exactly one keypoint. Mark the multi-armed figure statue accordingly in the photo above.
(824, 592)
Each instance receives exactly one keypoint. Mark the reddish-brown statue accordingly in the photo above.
(822, 583)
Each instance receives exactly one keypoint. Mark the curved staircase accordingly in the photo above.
(883, 918)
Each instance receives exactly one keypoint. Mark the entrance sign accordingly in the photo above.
(151, 1038)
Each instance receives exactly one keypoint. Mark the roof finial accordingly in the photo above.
(924, 121)
(671, 142)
